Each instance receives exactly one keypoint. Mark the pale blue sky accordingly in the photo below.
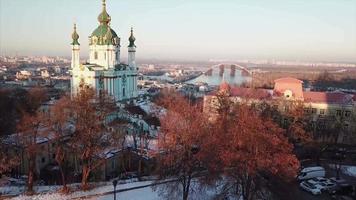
(321, 30)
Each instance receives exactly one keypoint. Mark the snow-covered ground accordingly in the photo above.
(136, 190)
(146, 193)
(100, 193)
(50, 192)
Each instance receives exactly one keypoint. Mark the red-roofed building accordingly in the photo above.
(320, 105)
(290, 88)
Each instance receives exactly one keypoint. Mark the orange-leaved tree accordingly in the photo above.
(251, 146)
(89, 112)
(182, 136)
(58, 121)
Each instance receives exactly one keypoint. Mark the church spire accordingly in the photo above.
(104, 17)
(132, 39)
(75, 36)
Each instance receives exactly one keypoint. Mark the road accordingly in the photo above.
(292, 191)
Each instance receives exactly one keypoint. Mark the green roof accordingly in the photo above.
(102, 30)
(102, 33)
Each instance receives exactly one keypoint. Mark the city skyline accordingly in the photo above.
(190, 30)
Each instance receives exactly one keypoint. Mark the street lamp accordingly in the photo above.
(114, 182)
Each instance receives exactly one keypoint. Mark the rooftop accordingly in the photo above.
(328, 97)
(288, 80)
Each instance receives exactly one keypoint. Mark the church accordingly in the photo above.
(104, 71)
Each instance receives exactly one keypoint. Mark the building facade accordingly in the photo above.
(326, 111)
(104, 70)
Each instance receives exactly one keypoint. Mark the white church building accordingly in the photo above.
(104, 70)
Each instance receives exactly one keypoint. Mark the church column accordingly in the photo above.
(132, 51)
(75, 48)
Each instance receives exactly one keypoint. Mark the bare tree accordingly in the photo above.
(58, 121)
(29, 132)
(182, 134)
(90, 112)
(7, 161)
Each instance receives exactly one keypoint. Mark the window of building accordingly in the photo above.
(322, 111)
(338, 112)
(104, 55)
(346, 126)
(123, 92)
(95, 55)
(313, 110)
(54, 156)
(306, 110)
(286, 108)
(347, 113)
(43, 160)
(117, 55)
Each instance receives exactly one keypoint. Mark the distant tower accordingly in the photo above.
(75, 48)
(132, 51)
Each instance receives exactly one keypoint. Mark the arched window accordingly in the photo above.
(95, 55)
(123, 92)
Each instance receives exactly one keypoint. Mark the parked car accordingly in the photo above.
(311, 172)
(322, 183)
(310, 188)
(327, 186)
(317, 180)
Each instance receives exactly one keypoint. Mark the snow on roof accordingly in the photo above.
(328, 97)
(288, 80)
(44, 135)
(248, 93)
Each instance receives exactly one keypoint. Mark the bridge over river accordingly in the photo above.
(232, 73)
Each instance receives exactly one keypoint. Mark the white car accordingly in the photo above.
(310, 188)
(327, 185)
(318, 180)
(322, 183)
(311, 172)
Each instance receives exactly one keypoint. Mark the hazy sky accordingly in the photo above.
(188, 29)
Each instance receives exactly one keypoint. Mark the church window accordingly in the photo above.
(95, 55)
(347, 113)
(313, 110)
(322, 111)
(104, 55)
(117, 55)
(123, 92)
(338, 112)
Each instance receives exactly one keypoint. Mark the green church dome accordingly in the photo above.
(104, 17)
(103, 33)
(132, 39)
(102, 30)
(75, 36)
